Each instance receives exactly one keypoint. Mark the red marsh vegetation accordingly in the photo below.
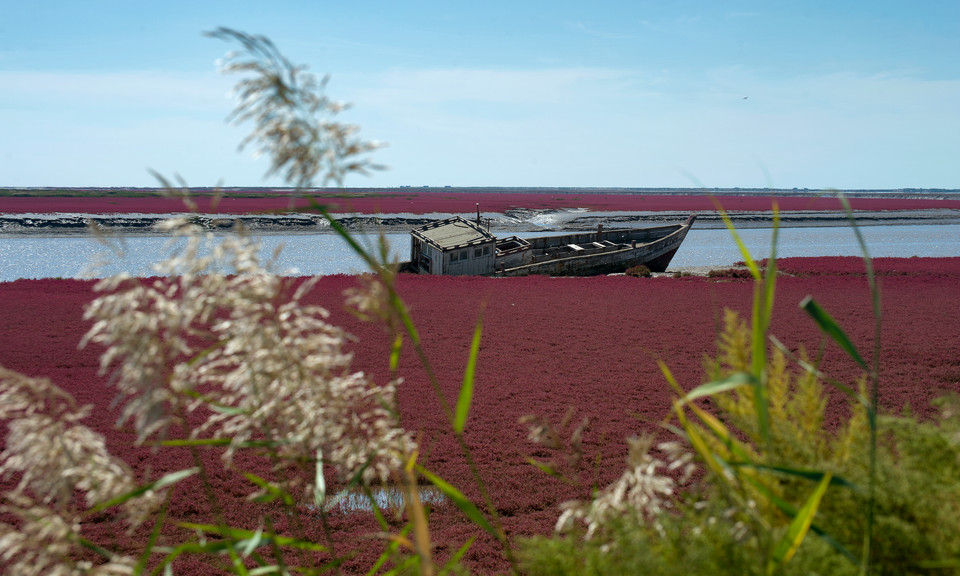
(403, 201)
(549, 345)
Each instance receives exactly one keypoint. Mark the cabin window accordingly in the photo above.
(477, 252)
(486, 250)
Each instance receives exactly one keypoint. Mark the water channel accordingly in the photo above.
(325, 254)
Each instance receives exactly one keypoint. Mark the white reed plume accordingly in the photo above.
(52, 454)
(644, 491)
(46, 543)
(53, 457)
(222, 331)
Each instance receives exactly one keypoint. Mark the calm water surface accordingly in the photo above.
(78, 256)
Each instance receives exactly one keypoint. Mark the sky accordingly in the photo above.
(831, 94)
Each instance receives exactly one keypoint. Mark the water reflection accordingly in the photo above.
(387, 498)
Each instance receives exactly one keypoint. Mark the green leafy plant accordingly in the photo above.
(781, 490)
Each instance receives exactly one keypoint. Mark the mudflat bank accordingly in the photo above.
(41, 211)
(510, 221)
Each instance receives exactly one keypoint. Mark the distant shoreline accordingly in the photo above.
(35, 212)
(39, 225)
(946, 193)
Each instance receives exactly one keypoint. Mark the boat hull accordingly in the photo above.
(655, 251)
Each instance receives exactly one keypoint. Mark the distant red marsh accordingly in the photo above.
(419, 202)
(549, 345)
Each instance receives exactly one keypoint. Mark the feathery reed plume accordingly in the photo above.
(224, 332)
(53, 457)
(644, 490)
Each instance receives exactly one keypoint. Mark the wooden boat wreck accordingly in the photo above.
(457, 246)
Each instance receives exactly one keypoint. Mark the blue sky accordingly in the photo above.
(637, 94)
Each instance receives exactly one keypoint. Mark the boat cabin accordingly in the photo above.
(453, 247)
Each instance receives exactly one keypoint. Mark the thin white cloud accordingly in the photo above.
(141, 89)
(602, 33)
(536, 86)
(624, 127)
(538, 127)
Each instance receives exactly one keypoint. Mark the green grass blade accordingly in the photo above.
(166, 564)
(671, 380)
(373, 264)
(141, 564)
(377, 513)
(542, 466)
(163, 482)
(188, 442)
(388, 551)
(250, 544)
(384, 247)
(791, 511)
(763, 298)
(101, 551)
(721, 432)
(264, 570)
(466, 391)
(405, 318)
(731, 382)
(195, 442)
(699, 444)
(798, 528)
(241, 535)
(345, 235)
(213, 529)
(549, 471)
(807, 474)
(223, 409)
(207, 547)
(238, 566)
(807, 366)
(272, 492)
(466, 506)
(357, 480)
(867, 261)
(770, 277)
(830, 327)
(456, 557)
(744, 251)
(760, 321)
(319, 482)
(395, 352)
(875, 383)
(405, 567)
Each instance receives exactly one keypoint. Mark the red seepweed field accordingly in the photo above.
(549, 345)
(405, 201)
